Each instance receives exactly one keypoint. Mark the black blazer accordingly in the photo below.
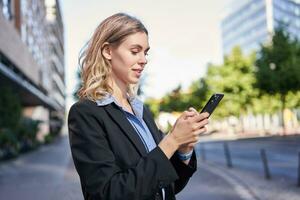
(112, 161)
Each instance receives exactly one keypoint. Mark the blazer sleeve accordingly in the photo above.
(184, 171)
(101, 177)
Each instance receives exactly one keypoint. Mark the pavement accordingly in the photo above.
(49, 174)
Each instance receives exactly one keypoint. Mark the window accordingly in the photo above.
(6, 9)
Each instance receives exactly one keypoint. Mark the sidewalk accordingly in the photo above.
(46, 173)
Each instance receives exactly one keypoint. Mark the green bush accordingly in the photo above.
(9, 144)
(10, 108)
(48, 138)
(27, 132)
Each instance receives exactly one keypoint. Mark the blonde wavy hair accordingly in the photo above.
(95, 68)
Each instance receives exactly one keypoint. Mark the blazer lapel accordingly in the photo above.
(151, 126)
(118, 116)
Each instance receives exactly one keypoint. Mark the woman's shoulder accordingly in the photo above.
(85, 112)
(85, 105)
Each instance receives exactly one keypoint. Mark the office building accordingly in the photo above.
(32, 58)
(248, 23)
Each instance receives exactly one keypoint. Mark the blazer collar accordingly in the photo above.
(116, 112)
(135, 103)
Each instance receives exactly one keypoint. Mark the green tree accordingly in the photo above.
(11, 110)
(179, 100)
(234, 78)
(278, 64)
(154, 106)
(197, 95)
(174, 101)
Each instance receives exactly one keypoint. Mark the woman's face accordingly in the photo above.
(129, 58)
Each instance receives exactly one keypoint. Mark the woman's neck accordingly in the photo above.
(119, 91)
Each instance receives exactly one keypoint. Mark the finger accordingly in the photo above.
(206, 114)
(193, 144)
(200, 117)
(186, 114)
(193, 139)
(200, 131)
(193, 111)
(199, 125)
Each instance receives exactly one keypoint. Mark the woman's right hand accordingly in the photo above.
(186, 129)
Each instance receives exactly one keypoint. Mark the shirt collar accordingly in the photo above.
(136, 104)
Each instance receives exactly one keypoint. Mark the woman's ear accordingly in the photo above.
(106, 51)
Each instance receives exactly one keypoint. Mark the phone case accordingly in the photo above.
(212, 103)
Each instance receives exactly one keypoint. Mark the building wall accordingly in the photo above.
(32, 39)
(16, 51)
(56, 44)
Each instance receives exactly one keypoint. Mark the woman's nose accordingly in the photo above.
(143, 59)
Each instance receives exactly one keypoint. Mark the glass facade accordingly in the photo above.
(249, 23)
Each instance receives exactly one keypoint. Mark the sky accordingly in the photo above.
(184, 37)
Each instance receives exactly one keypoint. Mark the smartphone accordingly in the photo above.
(212, 103)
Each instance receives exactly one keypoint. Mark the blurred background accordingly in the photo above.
(247, 49)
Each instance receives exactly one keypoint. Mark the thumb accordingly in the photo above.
(191, 109)
(187, 114)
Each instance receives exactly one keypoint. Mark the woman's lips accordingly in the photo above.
(138, 72)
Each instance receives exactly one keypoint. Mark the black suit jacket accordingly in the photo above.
(112, 161)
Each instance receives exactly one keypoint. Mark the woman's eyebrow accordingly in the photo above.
(139, 46)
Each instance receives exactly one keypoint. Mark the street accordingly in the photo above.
(282, 154)
(48, 173)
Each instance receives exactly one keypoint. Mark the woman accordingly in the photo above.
(118, 151)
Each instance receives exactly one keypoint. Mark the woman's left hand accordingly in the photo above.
(189, 147)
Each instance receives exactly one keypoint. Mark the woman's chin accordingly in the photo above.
(134, 81)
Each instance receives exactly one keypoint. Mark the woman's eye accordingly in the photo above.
(134, 51)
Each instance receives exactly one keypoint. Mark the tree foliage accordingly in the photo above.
(278, 68)
(234, 78)
(173, 101)
(279, 65)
